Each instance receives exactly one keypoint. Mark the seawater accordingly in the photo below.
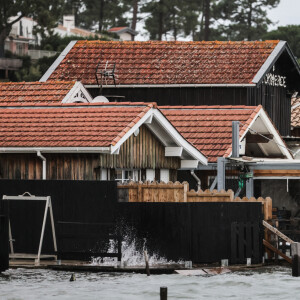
(265, 283)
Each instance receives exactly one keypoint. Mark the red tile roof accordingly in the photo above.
(12, 93)
(209, 128)
(69, 125)
(157, 62)
(295, 114)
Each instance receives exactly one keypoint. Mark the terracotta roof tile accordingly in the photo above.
(209, 128)
(295, 114)
(12, 93)
(76, 125)
(156, 62)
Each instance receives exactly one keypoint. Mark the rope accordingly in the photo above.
(271, 140)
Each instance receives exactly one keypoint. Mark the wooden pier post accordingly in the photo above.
(295, 247)
(147, 263)
(163, 293)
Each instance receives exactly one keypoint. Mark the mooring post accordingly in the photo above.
(147, 263)
(163, 293)
(295, 247)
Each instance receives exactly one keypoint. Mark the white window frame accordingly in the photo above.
(136, 175)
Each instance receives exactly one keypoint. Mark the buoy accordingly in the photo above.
(72, 278)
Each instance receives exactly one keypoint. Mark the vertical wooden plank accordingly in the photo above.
(248, 226)
(233, 256)
(256, 243)
(241, 243)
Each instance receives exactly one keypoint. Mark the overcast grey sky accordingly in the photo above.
(287, 13)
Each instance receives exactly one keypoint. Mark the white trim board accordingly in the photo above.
(271, 60)
(56, 63)
(277, 138)
(77, 88)
(55, 149)
(170, 129)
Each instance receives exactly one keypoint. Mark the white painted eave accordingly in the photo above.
(170, 129)
(77, 87)
(57, 61)
(55, 149)
(265, 68)
(277, 138)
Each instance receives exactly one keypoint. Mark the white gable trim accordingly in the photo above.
(265, 68)
(277, 138)
(57, 61)
(174, 134)
(78, 93)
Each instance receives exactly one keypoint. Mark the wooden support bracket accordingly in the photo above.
(277, 232)
(269, 246)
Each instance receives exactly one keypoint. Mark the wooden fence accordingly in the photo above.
(179, 192)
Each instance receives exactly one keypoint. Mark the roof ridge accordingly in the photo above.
(175, 42)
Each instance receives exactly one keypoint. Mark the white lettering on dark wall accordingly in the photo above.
(275, 80)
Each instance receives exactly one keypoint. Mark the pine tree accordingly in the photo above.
(247, 18)
(100, 15)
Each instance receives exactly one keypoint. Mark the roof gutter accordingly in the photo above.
(55, 149)
(168, 85)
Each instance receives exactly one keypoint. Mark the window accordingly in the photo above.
(127, 175)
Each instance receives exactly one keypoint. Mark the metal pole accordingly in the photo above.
(52, 225)
(221, 173)
(235, 139)
(249, 188)
(37, 261)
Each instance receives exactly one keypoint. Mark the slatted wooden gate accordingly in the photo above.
(245, 242)
(3, 243)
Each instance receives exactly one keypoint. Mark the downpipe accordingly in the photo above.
(44, 162)
(197, 179)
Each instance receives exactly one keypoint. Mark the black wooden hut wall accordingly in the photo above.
(275, 99)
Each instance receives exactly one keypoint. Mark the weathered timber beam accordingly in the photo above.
(269, 246)
(257, 138)
(277, 232)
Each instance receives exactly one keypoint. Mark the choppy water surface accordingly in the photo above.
(267, 283)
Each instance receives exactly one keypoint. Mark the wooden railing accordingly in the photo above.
(179, 192)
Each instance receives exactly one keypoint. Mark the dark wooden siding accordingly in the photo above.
(277, 104)
(178, 96)
(274, 99)
(144, 151)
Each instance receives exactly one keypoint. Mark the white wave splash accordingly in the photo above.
(131, 256)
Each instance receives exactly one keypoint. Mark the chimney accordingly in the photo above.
(69, 22)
